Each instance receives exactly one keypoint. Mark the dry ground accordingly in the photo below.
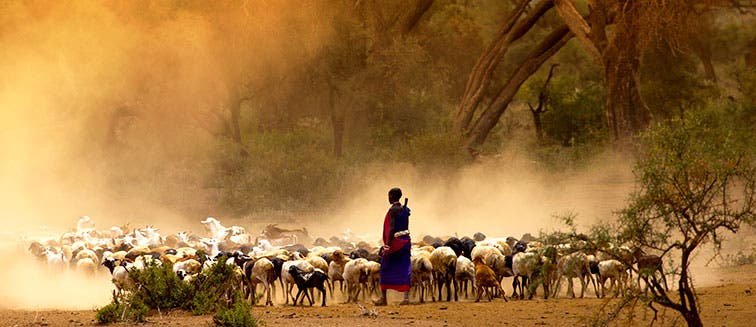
(728, 300)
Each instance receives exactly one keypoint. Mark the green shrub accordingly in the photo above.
(109, 313)
(236, 316)
(158, 287)
(130, 308)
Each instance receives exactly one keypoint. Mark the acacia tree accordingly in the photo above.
(475, 117)
(696, 179)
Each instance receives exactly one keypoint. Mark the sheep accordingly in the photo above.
(614, 270)
(143, 261)
(524, 265)
(288, 281)
(485, 278)
(422, 274)
(373, 279)
(574, 265)
(319, 263)
(468, 245)
(444, 263)
(336, 270)
(501, 264)
(55, 260)
(86, 266)
(260, 271)
(464, 272)
(355, 274)
(86, 253)
(315, 279)
(190, 266)
(456, 245)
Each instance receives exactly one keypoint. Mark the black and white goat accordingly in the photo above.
(307, 281)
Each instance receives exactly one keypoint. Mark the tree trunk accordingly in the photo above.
(414, 16)
(543, 98)
(235, 125)
(537, 123)
(626, 113)
(490, 117)
(703, 52)
(480, 77)
(750, 57)
(693, 319)
(337, 122)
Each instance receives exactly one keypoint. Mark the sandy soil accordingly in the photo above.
(728, 301)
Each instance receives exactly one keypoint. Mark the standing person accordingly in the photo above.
(395, 258)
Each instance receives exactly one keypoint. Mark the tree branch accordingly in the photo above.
(580, 28)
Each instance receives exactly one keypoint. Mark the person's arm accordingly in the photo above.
(393, 213)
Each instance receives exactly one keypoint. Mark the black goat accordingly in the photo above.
(305, 282)
(455, 244)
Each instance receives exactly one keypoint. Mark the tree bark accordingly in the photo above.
(626, 113)
(543, 98)
(337, 122)
(414, 16)
(703, 52)
(750, 57)
(532, 62)
(234, 122)
(480, 77)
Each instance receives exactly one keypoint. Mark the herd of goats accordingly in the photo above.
(278, 255)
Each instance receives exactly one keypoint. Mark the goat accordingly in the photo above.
(315, 279)
(485, 278)
(648, 265)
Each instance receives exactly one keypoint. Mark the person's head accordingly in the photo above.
(394, 194)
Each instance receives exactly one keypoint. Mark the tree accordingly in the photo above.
(519, 21)
(696, 179)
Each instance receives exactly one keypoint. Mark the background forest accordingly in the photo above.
(245, 107)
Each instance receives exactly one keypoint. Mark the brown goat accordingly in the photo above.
(648, 265)
(485, 278)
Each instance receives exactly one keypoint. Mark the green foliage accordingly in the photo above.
(238, 315)
(434, 149)
(575, 112)
(696, 176)
(109, 313)
(741, 258)
(672, 83)
(215, 288)
(281, 172)
(127, 309)
(158, 287)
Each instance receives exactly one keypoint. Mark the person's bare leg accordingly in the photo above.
(406, 299)
(382, 300)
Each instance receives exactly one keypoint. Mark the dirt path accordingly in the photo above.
(731, 303)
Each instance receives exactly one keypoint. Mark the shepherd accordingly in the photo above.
(395, 257)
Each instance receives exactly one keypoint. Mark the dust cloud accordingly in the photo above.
(75, 76)
(25, 284)
(504, 196)
(110, 109)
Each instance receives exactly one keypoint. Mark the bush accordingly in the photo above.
(236, 316)
(109, 313)
(158, 287)
(131, 309)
